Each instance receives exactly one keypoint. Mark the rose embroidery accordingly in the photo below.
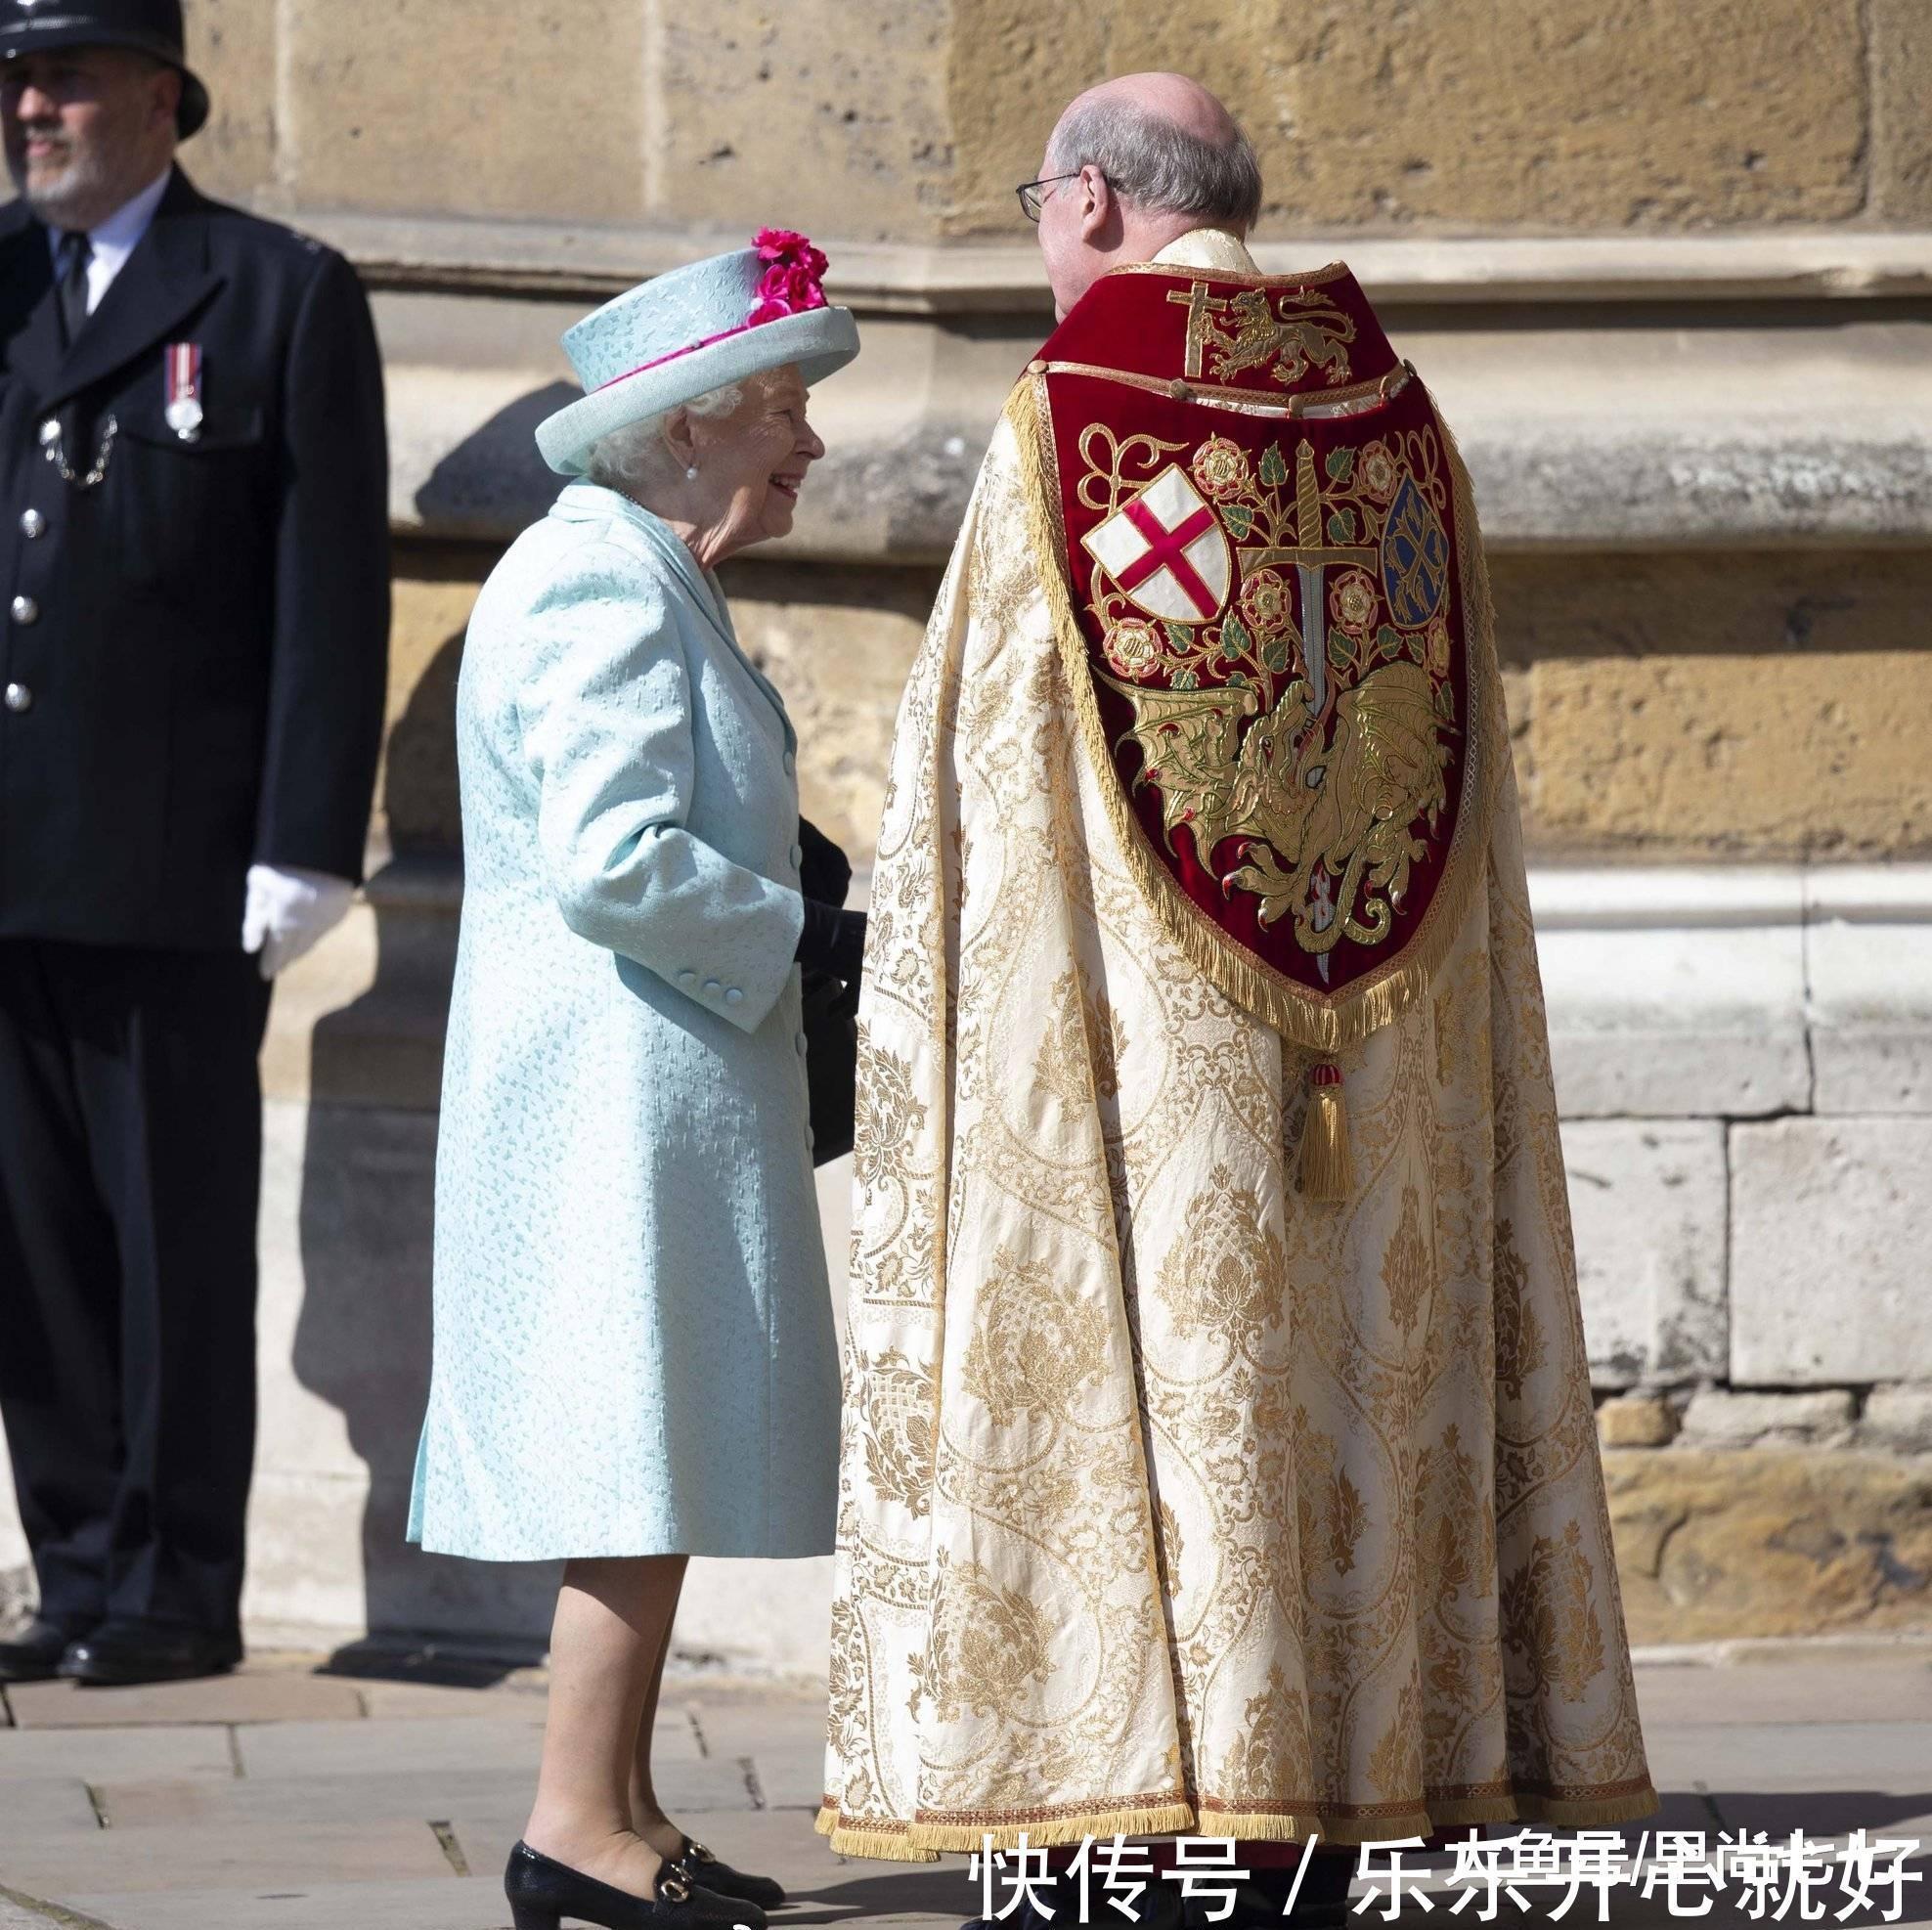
(1378, 472)
(1266, 604)
(1220, 469)
(1131, 645)
(1352, 604)
(1437, 646)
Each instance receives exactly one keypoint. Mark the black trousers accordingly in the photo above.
(130, 1169)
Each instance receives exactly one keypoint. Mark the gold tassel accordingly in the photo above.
(1327, 1172)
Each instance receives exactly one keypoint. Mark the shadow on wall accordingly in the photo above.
(362, 1338)
(494, 480)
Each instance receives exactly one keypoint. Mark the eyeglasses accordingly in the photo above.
(1029, 193)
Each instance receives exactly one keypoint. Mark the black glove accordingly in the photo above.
(832, 941)
(824, 871)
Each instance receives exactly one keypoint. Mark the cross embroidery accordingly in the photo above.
(1201, 307)
(1167, 550)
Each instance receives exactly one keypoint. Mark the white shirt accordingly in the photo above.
(114, 239)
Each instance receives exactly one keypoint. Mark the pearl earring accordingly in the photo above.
(692, 475)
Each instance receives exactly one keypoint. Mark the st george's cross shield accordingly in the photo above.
(1168, 551)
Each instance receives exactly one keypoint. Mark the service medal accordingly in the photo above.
(183, 413)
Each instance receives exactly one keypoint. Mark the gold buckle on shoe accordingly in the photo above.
(673, 1888)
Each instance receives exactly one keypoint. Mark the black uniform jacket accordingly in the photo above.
(193, 651)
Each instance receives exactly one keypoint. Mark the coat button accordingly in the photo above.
(734, 996)
(33, 525)
(26, 610)
(50, 432)
(791, 765)
(687, 980)
(712, 987)
(798, 855)
(19, 698)
(802, 1043)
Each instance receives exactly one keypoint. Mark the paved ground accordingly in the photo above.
(291, 1798)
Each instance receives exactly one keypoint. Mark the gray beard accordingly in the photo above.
(78, 192)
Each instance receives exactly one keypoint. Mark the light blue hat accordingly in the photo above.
(695, 330)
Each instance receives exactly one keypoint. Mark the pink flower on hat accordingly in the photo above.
(790, 284)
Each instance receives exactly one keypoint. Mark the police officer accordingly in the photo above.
(194, 618)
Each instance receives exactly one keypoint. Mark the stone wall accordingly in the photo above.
(911, 122)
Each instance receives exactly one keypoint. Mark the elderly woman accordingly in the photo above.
(634, 1359)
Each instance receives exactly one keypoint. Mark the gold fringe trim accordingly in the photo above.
(923, 1841)
(1049, 1832)
(1309, 1020)
(1297, 1825)
(880, 1845)
(827, 1818)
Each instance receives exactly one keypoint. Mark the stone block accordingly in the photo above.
(1817, 605)
(1636, 1421)
(232, 46)
(1901, 136)
(134, 1861)
(1724, 1418)
(1831, 1222)
(511, 1739)
(452, 1903)
(271, 1801)
(1898, 1418)
(529, 110)
(787, 114)
(109, 1755)
(1635, 116)
(1648, 1200)
(254, 1695)
(1743, 1691)
(839, 646)
(1654, 1021)
(435, 590)
(1714, 1543)
(1868, 958)
(1664, 751)
(62, 1806)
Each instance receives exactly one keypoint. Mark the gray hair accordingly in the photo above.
(1158, 165)
(635, 457)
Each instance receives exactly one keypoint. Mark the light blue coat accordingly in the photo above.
(634, 1342)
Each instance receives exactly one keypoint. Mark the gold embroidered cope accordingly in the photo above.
(1168, 1500)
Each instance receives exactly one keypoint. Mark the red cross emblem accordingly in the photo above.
(1166, 550)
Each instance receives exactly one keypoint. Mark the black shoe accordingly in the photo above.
(541, 1892)
(118, 1654)
(34, 1654)
(698, 1866)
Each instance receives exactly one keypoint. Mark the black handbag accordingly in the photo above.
(831, 1010)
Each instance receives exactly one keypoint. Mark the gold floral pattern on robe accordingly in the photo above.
(1171, 1501)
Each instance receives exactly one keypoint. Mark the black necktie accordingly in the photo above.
(72, 256)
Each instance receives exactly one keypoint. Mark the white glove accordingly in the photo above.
(289, 910)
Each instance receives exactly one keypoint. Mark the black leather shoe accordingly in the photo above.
(541, 1892)
(118, 1654)
(34, 1654)
(698, 1866)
